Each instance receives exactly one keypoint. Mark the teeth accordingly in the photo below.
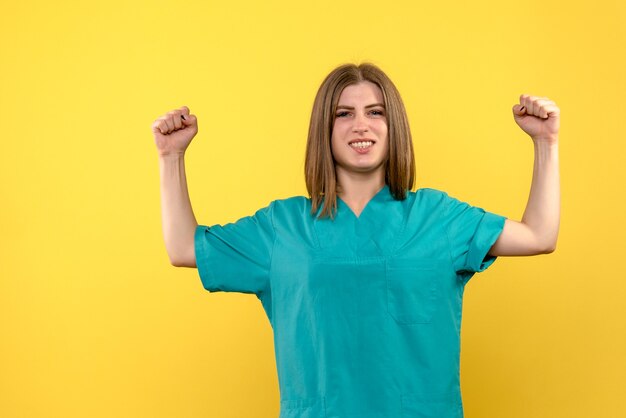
(363, 144)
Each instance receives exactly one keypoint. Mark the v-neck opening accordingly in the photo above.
(377, 195)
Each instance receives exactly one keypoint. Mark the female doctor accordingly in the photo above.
(362, 281)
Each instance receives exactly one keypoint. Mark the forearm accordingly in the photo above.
(542, 214)
(179, 222)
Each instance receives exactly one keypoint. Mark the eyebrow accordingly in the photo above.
(367, 107)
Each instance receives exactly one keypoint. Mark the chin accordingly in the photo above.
(369, 168)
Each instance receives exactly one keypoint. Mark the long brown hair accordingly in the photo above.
(319, 165)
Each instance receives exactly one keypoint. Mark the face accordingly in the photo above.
(359, 139)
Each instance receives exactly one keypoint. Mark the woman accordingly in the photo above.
(363, 280)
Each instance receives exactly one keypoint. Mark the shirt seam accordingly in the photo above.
(269, 271)
(396, 245)
(445, 215)
(316, 241)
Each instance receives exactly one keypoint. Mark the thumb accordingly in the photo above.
(519, 110)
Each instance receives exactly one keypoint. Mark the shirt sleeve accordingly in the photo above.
(236, 257)
(471, 233)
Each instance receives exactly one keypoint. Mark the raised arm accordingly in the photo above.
(537, 232)
(173, 133)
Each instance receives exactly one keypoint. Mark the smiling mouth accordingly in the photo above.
(362, 144)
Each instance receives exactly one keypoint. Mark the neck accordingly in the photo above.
(359, 188)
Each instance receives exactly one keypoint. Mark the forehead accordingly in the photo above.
(364, 92)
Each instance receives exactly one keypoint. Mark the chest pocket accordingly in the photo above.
(413, 289)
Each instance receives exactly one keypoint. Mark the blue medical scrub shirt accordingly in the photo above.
(366, 312)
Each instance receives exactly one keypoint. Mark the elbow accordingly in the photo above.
(182, 263)
(546, 244)
(186, 261)
(176, 263)
(184, 258)
(549, 249)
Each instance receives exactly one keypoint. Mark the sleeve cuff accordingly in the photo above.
(202, 250)
(487, 234)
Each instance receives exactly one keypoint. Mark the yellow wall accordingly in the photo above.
(94, 322)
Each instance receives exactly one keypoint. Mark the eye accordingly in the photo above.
(378, 112)
(341, 114)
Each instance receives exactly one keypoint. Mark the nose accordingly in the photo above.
(360, 123)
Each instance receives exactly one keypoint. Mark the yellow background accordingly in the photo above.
(95, 322)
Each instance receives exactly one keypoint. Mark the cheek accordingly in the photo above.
(338, 127)
(337, 134)
(384, 128)
(334, 144)
(383, 134)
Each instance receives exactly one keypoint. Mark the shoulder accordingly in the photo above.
(429, 197)
(292, 218)
(448, 204)
(291, 202)
(431, 193)
(425, 204)
(291, 206)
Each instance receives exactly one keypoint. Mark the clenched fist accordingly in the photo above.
(539, 117)
(174, 131)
